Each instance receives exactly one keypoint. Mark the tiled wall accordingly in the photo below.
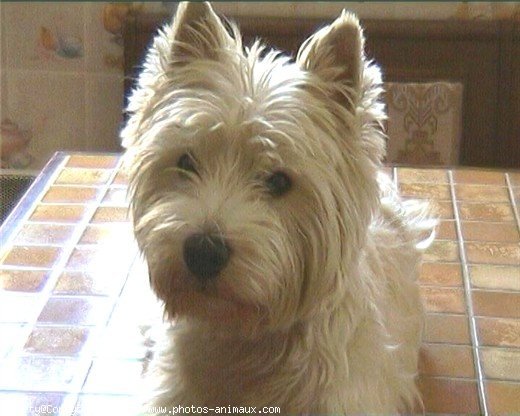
(61, 69)
(62, 79)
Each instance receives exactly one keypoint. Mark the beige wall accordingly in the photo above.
(61, 76)
(61, 79)
(384, 10)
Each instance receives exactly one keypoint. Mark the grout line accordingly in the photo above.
(479, 372)
(67, 249)
(41, 184)
(60, 266)
(516, 212)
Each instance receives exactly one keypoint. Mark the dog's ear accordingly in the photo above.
(335, 54)
(198, 33)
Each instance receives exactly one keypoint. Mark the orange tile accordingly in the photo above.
(495, 277)
(442, 209)
(111, 214)
(108, 258)
(478, 176)
(496, 304)
(116, 196)
(481, 193)
(59, 213)
(486, 211)
(442, 251)
(441, 299)
(23, 280)
(69, 194)
(409, 175)
(104, 233)
(444, 395)
(514, 178)
(85, 283)
(446, 230)
(432, 191)
(446, 360)
(121, 178)
(93, 161)
(516, 195)
(82, 257)
(503, 397)
(441, 274)
(493, 253)
(453, 329)
(34, 256)
(490, 231)
(501, 363)
(500, 332)
(61, 341)
(76, 310)
(81, 176)
(57, 234)
(93, 234)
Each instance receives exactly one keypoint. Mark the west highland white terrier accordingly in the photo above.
(286, 259)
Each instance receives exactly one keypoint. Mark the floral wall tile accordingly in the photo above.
(3, 37)
(104, 111)
(47, 110)
(424, 122)
(104, 40)
(45, 35)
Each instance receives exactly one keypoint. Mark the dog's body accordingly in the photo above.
(287, 260)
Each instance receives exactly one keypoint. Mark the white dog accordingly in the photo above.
(287, 261)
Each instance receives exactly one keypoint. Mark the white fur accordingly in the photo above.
(318, 311)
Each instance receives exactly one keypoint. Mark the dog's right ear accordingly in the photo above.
(198, 33)
(336, 54)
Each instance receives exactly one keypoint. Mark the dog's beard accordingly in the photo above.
(259, 289)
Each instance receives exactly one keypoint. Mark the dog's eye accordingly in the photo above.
(278, 183)
(186, 163)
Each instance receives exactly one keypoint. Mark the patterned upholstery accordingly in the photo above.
(424, 122)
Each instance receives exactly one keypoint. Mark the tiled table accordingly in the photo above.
(74, 298)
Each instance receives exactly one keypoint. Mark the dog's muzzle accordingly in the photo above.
(205, 255)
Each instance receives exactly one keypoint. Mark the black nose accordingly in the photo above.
(205, 255)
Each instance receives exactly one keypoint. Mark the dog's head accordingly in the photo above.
(252, 177)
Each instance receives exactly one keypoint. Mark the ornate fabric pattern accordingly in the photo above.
(424, 122)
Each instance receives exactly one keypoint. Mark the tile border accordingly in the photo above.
(21, 212)
(466, 281)
(512, 200)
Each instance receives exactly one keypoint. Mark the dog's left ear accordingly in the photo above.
(335, 54)
(198, 33)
